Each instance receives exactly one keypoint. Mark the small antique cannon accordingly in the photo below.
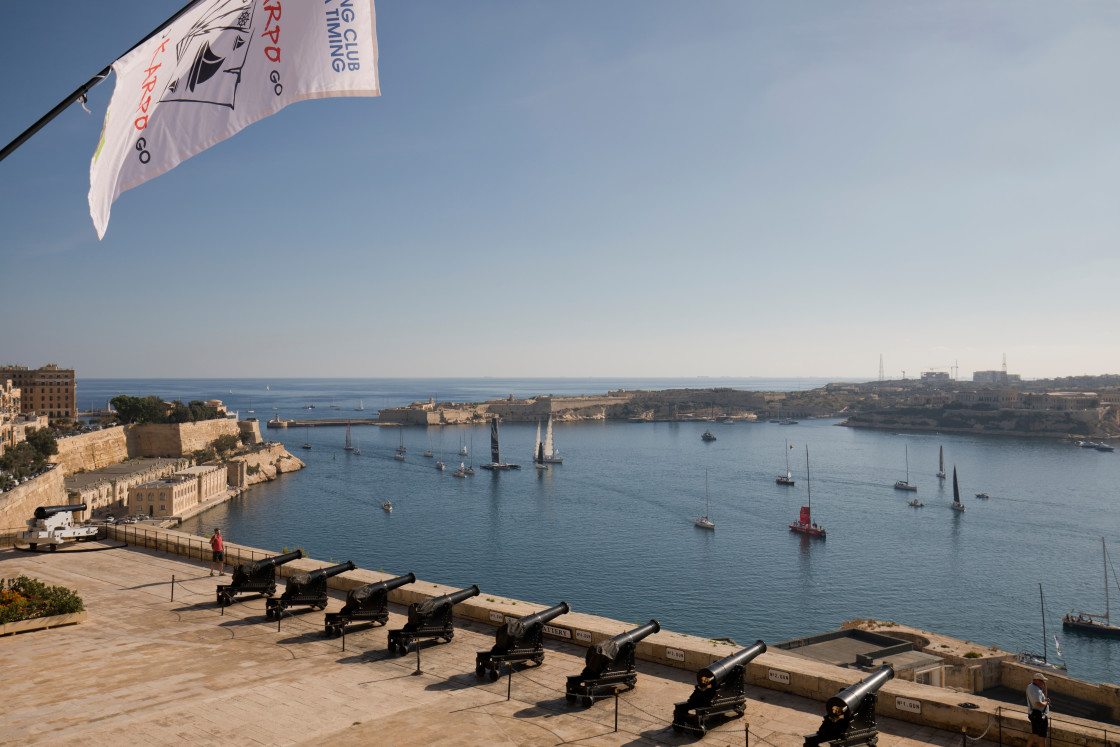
(720, 688)
(256, 575)
(849, 716)
(429, 618)
(54, 525)
(518, 640)
(369, 603)
(609, 666)
(305, 590)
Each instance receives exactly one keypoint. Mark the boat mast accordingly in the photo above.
(1043, 603)
(1104, 559)
(808, 483)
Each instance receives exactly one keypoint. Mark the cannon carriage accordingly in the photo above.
(54, 525)
(517, 641)
(369, 603)
(429, 619)
(256, 576)
(720, 689)
(609, 667)
(849, 718)
(306, 590)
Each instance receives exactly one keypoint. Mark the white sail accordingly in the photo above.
(548, 448)
(537, 443)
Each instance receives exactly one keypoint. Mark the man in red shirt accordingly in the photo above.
(218, 547)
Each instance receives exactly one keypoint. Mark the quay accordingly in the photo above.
(159, 662)
(277, 423)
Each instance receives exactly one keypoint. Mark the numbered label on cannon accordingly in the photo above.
(496, 616)
(558, 632)
(906, 704)
(675, 654)
(583, 636)
(776, 675)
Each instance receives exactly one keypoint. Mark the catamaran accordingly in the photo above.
(496, 462)
(905, 484)
(956, 505)
(1099, 624)
(805, 524)
(705, 521)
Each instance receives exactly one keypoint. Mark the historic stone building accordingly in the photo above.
(9, 411)
(49, 390)
(175, 494)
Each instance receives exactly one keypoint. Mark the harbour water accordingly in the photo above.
(610, 531)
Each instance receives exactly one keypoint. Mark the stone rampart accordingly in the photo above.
(18, 504)
(262, 465)
(777, 670)
(90, 451)
(172, 440)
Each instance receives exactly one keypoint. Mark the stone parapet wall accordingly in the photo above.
(90, 451)
(898, 699)
(18, 504)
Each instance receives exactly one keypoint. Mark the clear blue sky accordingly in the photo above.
(577, 188)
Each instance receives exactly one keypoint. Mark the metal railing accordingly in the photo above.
(1013, 723)
(181, 544)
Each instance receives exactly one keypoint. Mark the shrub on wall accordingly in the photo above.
(26, 598)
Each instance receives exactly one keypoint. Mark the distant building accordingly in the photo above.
(176, 494)
(995, 377)
(9, 411)
(47, 391)
(935, 376)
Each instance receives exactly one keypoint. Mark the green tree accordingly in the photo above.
(43, 441)
(225, 443)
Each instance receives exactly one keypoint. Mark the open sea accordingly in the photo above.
(610, 530)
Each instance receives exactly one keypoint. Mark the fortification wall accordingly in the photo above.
(18, 504)
(263, 465)
(177, 439)
(91, 451)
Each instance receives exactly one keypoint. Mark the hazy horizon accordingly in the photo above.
(634, 189)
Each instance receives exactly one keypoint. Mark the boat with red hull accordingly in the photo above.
(805, 523)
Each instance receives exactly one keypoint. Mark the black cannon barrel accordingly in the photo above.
(852, 697)
(717, 671)
(540, 618)
(454, 597)
(275, 560)
(607, 651)
(364, 592)
(42, 512)
(327, 572)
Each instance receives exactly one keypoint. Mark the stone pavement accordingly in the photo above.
(146, 670)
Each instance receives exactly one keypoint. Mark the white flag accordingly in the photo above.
(219, 67)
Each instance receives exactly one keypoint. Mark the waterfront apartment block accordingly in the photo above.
(176, 494)
(46, 391)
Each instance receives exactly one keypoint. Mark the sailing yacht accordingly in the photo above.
(496, 462)
(461, 472)
(538, 450)
(551, 455)
(788, 478)
(360, 406)
(357, 451)
(941, 462)
(349, 446)
(462, 446)
(956, 505)
(805, 523)
(905, 484)
(307, 438)
(705, 521)
(1099, 624)
(1034, 660)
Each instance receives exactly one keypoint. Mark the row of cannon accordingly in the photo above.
(720, 690)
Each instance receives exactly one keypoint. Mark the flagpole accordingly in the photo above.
(80, 93)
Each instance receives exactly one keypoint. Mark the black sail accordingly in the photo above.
(494, 441)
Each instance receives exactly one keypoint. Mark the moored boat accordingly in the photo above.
(786, 479)
(705, 521)
(707, 436)
(905, 484)
(1090, 623)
